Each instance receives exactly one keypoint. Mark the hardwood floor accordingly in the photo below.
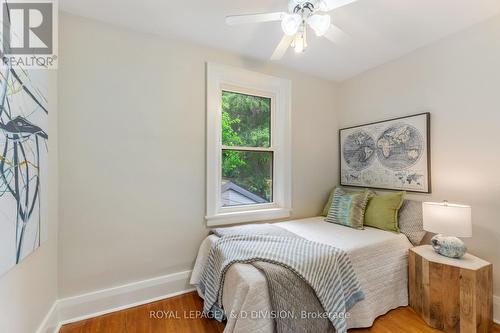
(138, 320)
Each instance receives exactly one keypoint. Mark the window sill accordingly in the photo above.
(248, 216)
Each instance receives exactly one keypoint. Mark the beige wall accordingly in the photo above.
(458, 81)
(132, 150)
(28, 291)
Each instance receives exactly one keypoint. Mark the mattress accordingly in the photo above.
(379, 259)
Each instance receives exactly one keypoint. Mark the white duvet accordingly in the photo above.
(378, 257)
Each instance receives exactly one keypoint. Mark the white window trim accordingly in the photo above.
(218, 78)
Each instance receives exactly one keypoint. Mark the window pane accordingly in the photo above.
(246, 120)
(247, 177)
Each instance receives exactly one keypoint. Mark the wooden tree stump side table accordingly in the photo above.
(453, 295)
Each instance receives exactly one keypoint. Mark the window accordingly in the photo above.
(247, 155)
(248, 152)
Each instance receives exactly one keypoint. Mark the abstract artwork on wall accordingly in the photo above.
(392, 154)
(23, 163)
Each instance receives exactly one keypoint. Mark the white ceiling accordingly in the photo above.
(379, 30)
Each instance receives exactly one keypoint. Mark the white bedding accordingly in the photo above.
(378, 257)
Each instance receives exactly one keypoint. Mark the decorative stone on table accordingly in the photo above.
(451, 247)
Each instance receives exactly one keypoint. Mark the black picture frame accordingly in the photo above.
(428, 146)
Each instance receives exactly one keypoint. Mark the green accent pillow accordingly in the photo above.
(348, 209)
(382, 211)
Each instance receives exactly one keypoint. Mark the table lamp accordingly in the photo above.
(449, 221)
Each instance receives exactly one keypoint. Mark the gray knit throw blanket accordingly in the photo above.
(325, 269)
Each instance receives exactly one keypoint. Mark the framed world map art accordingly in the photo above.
(390, 155)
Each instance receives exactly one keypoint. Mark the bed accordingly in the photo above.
(379, 259)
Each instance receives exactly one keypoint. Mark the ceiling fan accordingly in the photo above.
(301, 13)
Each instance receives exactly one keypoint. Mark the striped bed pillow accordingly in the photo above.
(348, 209)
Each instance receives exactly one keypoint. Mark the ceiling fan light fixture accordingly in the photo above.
(320, 23)
(291, 24)
(301, 15)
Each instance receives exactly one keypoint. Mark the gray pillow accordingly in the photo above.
(411, 221)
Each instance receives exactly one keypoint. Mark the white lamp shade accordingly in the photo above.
(291, 24)
(320, 23)
(447, 219)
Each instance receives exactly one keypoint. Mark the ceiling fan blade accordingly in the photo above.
(337, 35)
(254, 18)
(282, 47)
(328, 5)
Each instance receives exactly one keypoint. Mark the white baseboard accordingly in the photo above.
(97, 303)
(496, 309)
(50, 323)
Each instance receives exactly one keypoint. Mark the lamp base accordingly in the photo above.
(448, 246)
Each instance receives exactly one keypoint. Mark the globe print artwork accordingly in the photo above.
(391, 154)
(359, 150)
(399, 147)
